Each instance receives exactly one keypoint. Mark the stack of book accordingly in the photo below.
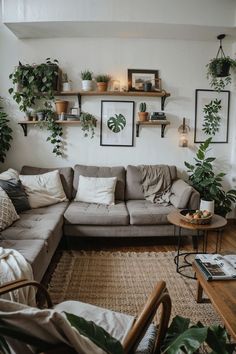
(216, 266)
(67, 116)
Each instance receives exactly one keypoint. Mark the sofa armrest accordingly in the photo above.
(194, 200)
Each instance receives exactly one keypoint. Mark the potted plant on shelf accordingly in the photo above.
(102, 82)
(66, 83)
(143, 115)
(218, 70)
(88, 123)
(87, 77)
(208, 183)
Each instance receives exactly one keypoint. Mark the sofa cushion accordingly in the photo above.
(95, 171)
(96, 190)
(97, 214)
(181, 192)
(34, 254)
(143, 212)
(8, 212)
(39, 223)
(66, 175)
(134, 189)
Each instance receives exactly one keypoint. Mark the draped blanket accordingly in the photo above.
(14, 266)
(156, 182)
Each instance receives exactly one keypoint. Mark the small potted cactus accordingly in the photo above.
(102, 82)
(87, 83)
(143, 115)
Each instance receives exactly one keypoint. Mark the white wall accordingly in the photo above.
(182, 69)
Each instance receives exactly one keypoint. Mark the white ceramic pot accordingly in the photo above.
(66, 86)
(207, 205)
(87, 85)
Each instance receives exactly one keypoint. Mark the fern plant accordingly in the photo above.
(5, 134)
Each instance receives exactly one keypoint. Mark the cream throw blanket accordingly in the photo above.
(156, 182)
(14, 266)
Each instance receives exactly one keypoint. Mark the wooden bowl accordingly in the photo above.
(200, 221)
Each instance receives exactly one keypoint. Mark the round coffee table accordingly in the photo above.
(217, 225)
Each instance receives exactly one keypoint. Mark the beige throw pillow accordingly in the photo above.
(8, 213)
(96, 190)
(9, 174)
(43, 190)
(181, 192)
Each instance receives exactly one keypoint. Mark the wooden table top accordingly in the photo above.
(217, 222)
(222, 294)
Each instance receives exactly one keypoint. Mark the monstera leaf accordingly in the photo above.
(117, 123)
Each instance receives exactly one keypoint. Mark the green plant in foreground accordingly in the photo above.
(214, 72)
(103, 78)
(182, 337)
(212, 118)
(209, 184)
(88, 123)
(86, 75)
(5, 134)
(142, 107)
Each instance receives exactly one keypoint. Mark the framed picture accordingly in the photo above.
(117, 123)
(138, 78)
(211, 116)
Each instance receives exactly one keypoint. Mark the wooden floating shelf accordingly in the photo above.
(163, 123)
(162, 94)
(24, 123)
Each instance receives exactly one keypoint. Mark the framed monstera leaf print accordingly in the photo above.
(117, 123)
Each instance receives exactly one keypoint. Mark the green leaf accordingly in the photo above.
(96, 334)
(116, 124)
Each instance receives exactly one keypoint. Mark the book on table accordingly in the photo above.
(216, 266)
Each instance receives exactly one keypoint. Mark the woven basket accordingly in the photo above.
(202, 221)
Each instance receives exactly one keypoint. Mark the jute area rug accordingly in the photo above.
(121, 281)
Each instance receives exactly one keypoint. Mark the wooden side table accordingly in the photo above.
(217, 225)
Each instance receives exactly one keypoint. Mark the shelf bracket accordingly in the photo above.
(24, 127)
(137, 130)
(163, 99)
(79, 101)
(163, 127)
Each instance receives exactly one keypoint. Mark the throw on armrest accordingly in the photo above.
(181, 194)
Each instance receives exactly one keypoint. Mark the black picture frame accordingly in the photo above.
(110, 113)
(203, 97)
(143, 75)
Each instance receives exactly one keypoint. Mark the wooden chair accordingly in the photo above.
(159, 296)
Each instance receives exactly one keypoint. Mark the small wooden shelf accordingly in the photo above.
(24, 123)
(163, 123)
(162, 94)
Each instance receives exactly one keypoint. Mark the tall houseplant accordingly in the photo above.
(208, 183)
(5, 134)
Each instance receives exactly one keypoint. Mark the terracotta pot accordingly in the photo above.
(61, 106)
(102, 86)
(143, 116)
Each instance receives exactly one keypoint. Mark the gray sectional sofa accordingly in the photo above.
(38, 231)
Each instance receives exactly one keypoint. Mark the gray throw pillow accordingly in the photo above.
(16, 193)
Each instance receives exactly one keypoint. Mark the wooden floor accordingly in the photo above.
(155, 244)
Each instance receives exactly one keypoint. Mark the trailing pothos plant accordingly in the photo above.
(5, 134)
(88, 124)
(54, 129)
(182, 337)
(208, 183)
(37, 83)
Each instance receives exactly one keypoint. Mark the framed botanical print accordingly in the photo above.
(117, 123)
(211, 116)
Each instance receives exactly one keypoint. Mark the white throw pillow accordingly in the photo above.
(43, 190)
(9, 174)
(96, 190)
(8, 212)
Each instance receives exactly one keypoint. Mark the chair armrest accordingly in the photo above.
(158, 296)
(20, 283)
